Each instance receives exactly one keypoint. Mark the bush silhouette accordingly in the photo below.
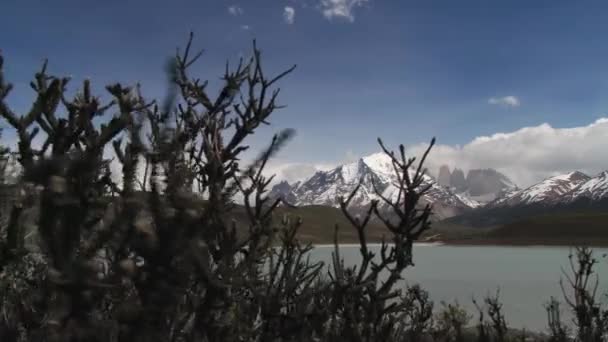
(158, 256)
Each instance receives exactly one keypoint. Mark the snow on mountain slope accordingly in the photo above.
(508, 183)
(380, 163)
(325, 187)
(548, 191)
(595, 188)
(468, 200)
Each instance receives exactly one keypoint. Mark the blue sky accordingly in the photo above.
(402, 70)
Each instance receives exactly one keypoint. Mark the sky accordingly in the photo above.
(518, 85)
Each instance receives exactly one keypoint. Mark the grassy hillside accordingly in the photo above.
(318, 223)
(569, 227)
(501, 216)
(554, 228)
(566, 228)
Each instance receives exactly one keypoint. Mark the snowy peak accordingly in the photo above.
(382, 165)
(379, 162)
(326, 187)
(548, 191)
(575, 176)
(595, 189)
(351, 172)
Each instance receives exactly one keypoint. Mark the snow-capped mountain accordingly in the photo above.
(471, 202)
(595, 189)
(325, 187)
(484, 195)
(549, 191)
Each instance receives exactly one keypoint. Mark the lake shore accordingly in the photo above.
(375, 244)
(526, 242)
(473, 241)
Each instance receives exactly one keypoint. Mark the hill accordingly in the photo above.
(318, 224)
(565, 228)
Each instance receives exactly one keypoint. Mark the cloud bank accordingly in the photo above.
(294, 171)
(529, 154)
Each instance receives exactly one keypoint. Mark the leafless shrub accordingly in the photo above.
(589, 317)
(496, 329)
(161, 258)
(451, 322)
(558, 331)
(415, 321)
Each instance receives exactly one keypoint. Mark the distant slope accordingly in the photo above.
(564, 193)
(548, 191)
(566, 228)
(500, 216)
(318, 223)
(594, 189)
(581, 221)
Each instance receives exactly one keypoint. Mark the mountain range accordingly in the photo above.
(559, 190)
(571, 193)
(377, 175)
(481, 198)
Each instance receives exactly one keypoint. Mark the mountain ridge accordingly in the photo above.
(377, 177)
(500, 202)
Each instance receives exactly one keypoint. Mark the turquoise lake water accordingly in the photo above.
(527, 276)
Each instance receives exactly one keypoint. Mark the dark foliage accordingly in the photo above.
(159, 258)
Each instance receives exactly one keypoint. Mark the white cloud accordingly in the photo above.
(507, 101)
(340, 8)
(529, 154)
(246, 27)
(289, 14)
(350, 156)
(235, 10)
(293, 171)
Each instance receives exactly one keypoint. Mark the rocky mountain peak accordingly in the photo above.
(593, 188)
(354, 171)
(480, 185)
(377, 174)
(486, 181)
(444, 177)
(548, 191)
(579, 176)
(457, 180)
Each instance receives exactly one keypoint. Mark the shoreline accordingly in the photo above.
(485, 243)
(375, 244)
(525, 243)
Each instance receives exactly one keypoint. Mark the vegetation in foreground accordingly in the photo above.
(113, 265)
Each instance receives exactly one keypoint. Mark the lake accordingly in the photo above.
(526, 276)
